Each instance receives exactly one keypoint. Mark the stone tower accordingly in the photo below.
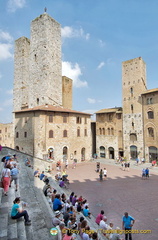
(21, 73)
(38, 65)
(45, 62)
(67, 92)
(133, 85)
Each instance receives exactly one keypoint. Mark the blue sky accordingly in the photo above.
(97, 36)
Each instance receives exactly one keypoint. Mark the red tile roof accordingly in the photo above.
(51, 108)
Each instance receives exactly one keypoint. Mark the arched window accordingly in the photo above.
(100, 131)
(102, 151)
(78, 120)
(103, 130)
(108, 131)
(17, 134)
(112, 131)
(151, 132)
(149, 100)
(150, 115)
(51, 134)
(65, 133)
(133, 137)
(78, 132)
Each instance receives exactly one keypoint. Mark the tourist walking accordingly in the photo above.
(14, 176)
(101, 175)
(147, 173)
(127, 224)
(143, 173)
(6, 178)
(105, 173)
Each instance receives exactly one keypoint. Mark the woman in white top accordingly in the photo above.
(6, 179)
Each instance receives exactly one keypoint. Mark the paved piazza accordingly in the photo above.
(122, 191)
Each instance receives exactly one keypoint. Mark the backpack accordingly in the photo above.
(3, 159)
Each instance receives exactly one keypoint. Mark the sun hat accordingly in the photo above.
(57, 213)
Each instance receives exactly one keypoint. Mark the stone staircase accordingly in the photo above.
(38, 209)
(40, 212)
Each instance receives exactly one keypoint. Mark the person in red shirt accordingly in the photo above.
(99, 217)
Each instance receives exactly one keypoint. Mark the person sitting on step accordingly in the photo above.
(18, 212)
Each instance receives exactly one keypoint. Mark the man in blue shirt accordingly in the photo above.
(127, 224)
(42, 175)
(14, 176)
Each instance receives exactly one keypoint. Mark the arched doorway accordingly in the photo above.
(153, 154)
(65, 154)
(50, 153)
(111, 153)
(83, 150)
(102, 152)
(120, 152)
(17, 148)
(133, 152)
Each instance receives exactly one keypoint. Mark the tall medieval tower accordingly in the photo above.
(133, 85)
(37, 76)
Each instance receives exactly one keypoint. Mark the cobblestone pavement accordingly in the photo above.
(122, 191)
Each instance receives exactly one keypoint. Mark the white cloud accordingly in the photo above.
(91, 100)
(10, 92)
(87, 36)
(5, 36)
(73, 71)
(70, 32)
(13, 5)
(8, 102)
(5, 49)
(101, 43)
(5, 45)
(101, 65)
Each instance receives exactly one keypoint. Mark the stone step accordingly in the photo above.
(1, 193)
(14, 231)
(39, 210)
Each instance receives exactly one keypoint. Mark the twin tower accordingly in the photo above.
(38, 68)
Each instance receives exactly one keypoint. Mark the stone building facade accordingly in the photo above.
(6, 135)
(135, 133)
(45, 125)
(53, 132)
(109, 132)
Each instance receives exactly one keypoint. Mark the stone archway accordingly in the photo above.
(133, 152)
(111, 153)
(102, 151)
(65, 153)
(153, 153)
(83, 153)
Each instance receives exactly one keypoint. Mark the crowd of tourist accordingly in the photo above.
(10, 173)
(72, 212)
